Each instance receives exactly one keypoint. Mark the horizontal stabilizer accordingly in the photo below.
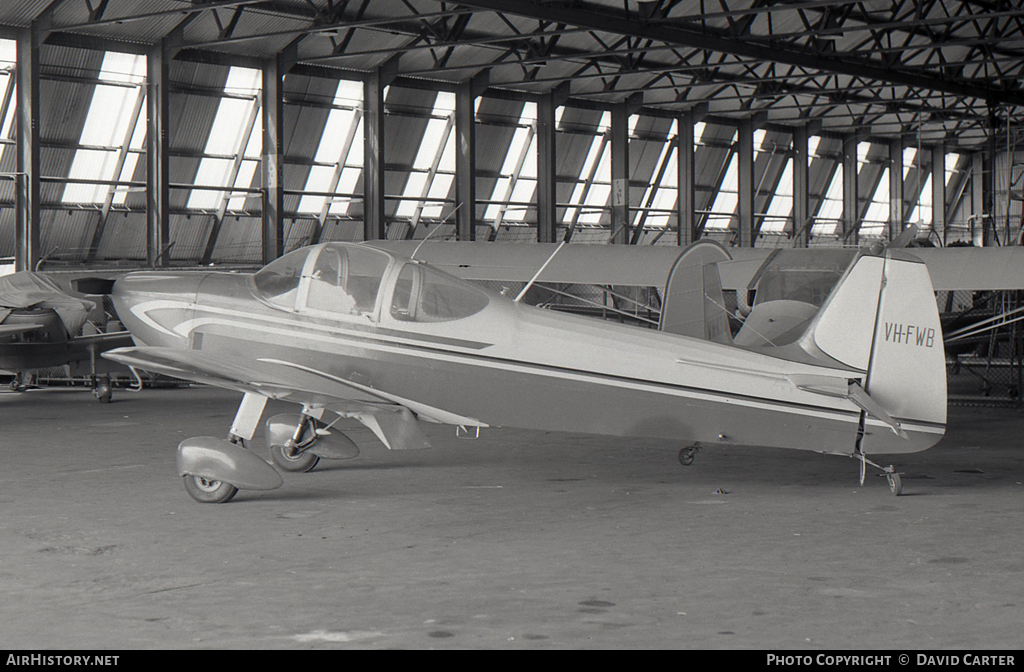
(777, 322)
(844, 388)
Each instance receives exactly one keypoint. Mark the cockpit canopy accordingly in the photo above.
(347, 279)
(425, 294)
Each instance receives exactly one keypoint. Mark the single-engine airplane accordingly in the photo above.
(39, 329)
(347, 330)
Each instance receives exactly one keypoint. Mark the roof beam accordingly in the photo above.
(622, 23)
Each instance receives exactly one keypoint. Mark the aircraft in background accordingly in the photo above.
(348, 330)
(40, 327)
(613, 280)
(950, 268)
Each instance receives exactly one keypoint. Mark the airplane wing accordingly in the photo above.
(391, 417)
(951, 268)
(632, 265)
(7, 329)
(232, 373)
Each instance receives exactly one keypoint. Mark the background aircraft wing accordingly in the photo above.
(951, 268)
(7, 329)
(105, 340)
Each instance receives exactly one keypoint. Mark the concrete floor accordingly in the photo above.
(515, 541)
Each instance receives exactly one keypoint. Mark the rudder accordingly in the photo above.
(882, 320)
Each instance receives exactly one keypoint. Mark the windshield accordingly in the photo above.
(278, 281)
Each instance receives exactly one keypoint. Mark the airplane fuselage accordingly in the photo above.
(506, 364)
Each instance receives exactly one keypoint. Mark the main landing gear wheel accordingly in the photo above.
(895, 483)
(103, 393)
(687, 455)
(208, 491)
(304, 461)
(295, 454)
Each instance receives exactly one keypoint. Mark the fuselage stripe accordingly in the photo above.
(394, 345)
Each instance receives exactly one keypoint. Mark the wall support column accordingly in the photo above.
(465, 160)
(939, 192)
(272, 113)
(850, 223)
(801, 188)
(374, 224)
(547, 180)
(895, 189)
(685, 153)
(157, 176)
(26, 221)
(620, 173)
(745, 183)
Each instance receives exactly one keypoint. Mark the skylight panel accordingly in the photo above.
(131, 159)
(227, 135)
(515, 188)
(658, 195)
(433, 135)
(877, 214)
(338, 130)
(780, 204)
(112, 115)
(726, 201)
(698, 131)
(922, 213)
(439, 188)
(909, 154)
(597, 152)
(831, 210)
(425, 181)
(952, 160)
(8, 60)
(812, 144)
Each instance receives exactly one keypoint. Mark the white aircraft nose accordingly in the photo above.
(152, 303)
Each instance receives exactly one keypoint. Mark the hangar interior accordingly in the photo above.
(225, 133)
(172, 133)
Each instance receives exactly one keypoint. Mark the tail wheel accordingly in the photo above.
(895, 484)
(687, 455)
(208, 491)
(304, 461)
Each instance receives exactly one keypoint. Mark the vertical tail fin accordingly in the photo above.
(693, 304)
(882, 320)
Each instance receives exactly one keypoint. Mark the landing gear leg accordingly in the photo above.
(18, 384)
(895, 482)
(295, 455)
(101, 389)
